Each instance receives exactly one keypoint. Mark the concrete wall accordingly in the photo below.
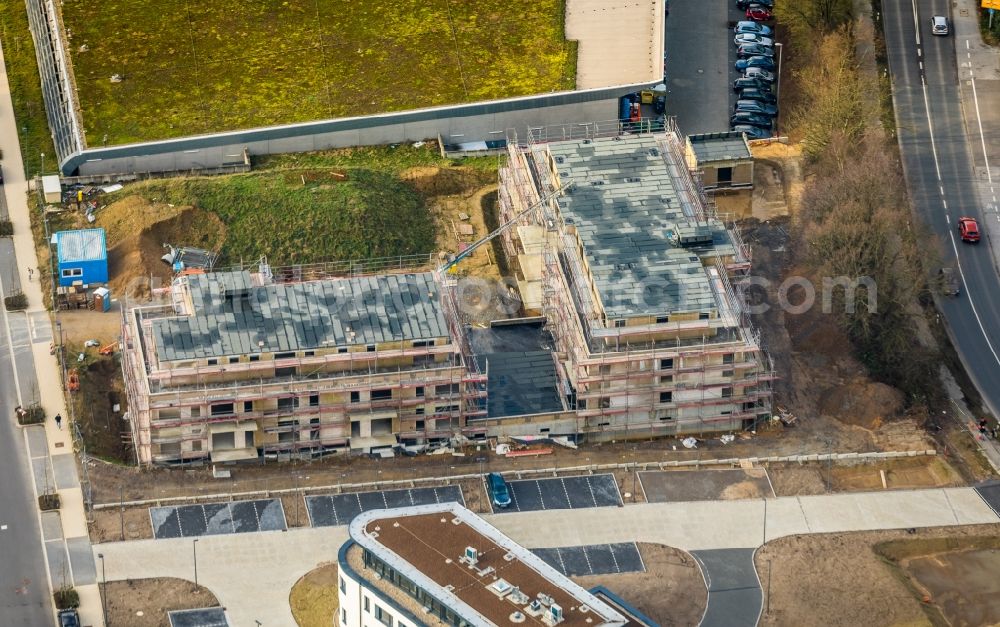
(479, 121)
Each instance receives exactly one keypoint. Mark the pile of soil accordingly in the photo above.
(136, 232)
(862, 402)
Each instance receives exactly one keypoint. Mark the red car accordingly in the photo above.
(758, 13)
(968, 230)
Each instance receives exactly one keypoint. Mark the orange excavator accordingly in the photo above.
(108, 348)
(73, 381)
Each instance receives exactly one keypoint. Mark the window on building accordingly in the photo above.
(381, 395)
(581, 404)
(605, 369)
(703, 316)
(287, 355)
(619, 323)
(662, 319)
(247, 407)
(382, 616)
(367, 606)
(605, 402)
(666, 397)
(196, 446)
(343, 615)
(309, 354)
(221, 409)
(288, 403)
(727, 358)
(443, 390)
(419, 411)
(667, 364)
(667, 378)
(370, 348)
(355, 397)
(254, 357)
(343, 586)
(727, 392)
(314, 400)
(213, 362)
(422, 343)
(72, 272)
(341, 350)
(727, 374)
(419, 425)
(445, 409)
(234, 360)
(291, 371)
(420, 391)
(196, 412)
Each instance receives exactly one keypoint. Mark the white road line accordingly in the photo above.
(10, 347)
(916, 22)
(930, 127)
(945, 203)
(972, 303)
(982, 138)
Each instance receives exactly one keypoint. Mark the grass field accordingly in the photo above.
(198, 67)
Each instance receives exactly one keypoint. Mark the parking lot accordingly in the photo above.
(700, 64)
(338, 509)
(530, 495)
(186, 521)
(594, 559)
(990, 493)
(674, 486)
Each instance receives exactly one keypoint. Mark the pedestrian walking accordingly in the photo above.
(59, 420)
(31, 272)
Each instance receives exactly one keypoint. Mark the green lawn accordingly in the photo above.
(192, 67)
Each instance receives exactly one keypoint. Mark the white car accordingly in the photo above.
(756, 72)
(752, 38)
(939, 25)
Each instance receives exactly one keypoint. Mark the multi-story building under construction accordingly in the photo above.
(243, 364)
(631, 267)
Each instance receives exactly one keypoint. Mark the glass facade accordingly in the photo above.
(437, 608)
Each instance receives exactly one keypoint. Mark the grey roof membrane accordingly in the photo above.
(233, 317)
(728, 146)
(521, 383)
(628, 215)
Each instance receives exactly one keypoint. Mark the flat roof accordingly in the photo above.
(426, 544)
(727, 146)
(631, 218)
(81, 245)
(232, 315)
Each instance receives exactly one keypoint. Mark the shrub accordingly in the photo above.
(16, 302)
(47, 502)
(66, 598)
(32, 415)
(6, 228)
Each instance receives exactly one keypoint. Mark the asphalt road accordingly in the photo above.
(24, 587)
(938, 161)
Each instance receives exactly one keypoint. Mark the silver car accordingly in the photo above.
(752, 38)
(939, 25)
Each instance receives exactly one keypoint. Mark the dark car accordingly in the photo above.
(69, 618)
(499, 492)
(755, 106)
(745, 4)
(759, 72)
(752, 119)
(753, 27)
(761, 95)
(764, 63)
(754, 50)
(751, 83)
(758, 13)
(752, 132)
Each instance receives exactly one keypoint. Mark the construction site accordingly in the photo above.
(622, 271)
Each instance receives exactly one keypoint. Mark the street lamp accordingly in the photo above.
(104, 591)
(194, 548)
(778, 46)
(43, 164)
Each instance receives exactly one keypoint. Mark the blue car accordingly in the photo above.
(748, 26)
(764, 63)
(499, 492)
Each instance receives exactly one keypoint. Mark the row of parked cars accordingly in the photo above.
(756, 105)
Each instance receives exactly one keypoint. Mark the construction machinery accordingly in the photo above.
(73, 381)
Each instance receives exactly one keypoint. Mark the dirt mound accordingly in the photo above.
(862, 403)
(136, 232)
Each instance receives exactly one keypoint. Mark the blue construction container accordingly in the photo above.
(82, 257)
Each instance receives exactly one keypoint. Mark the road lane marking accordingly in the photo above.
(972, 303)
(982, 137)
(916, 22)
(10, 348)
(3, 527)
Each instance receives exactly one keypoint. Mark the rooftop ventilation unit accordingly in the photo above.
(471, 556)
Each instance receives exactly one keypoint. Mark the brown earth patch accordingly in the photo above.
(145, 602)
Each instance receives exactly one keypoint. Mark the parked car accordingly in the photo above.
(939, 25)
(752, 132)
(744, 4)
(754, 50)
(950, 285)
(751, 119)
(499, 492)
(759, 73)
(761, 95)
(756, 106)
(69, 618)
(968, 229)
(753, 27)
(751, 83)
(758, 13)
(764, 63)
(752, 38)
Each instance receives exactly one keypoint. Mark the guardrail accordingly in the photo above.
(339, 488)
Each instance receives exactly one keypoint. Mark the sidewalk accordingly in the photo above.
(65, 534)
(230, 565)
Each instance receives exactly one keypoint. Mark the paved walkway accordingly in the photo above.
(252, 574)
(66, 541)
